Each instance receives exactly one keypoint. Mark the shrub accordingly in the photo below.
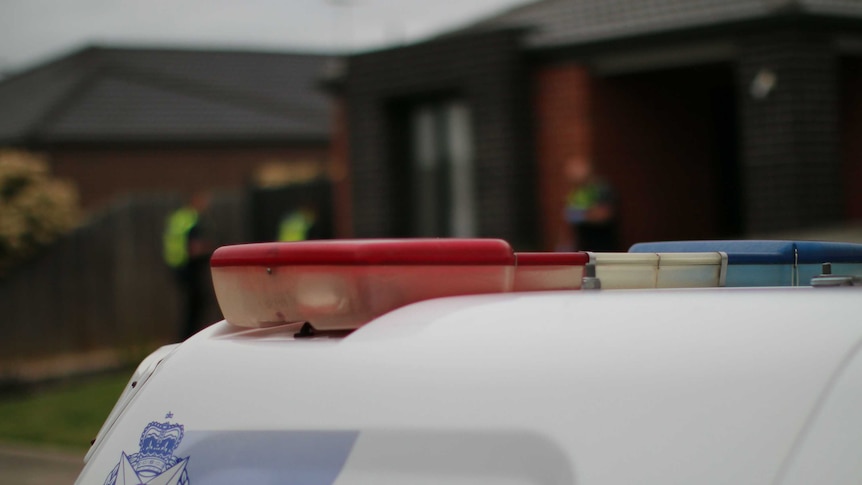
(35, 209)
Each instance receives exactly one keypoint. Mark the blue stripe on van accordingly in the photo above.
(266, 457)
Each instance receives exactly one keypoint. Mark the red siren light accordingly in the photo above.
(343, 284)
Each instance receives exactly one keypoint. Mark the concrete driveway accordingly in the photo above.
(24, 465)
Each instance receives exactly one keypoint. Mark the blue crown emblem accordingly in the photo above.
(155, 459)
(158, 442)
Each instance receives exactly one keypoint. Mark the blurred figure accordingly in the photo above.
(299, 225)
(186, 252)
(590, 211)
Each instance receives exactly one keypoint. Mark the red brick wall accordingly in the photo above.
(563, 129)
(851, 131)
(103, 173)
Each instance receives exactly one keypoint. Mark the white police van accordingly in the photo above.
(462, 362)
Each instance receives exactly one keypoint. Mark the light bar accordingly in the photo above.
(343, 284)
(660, 270)
(549, 271)
(771, 263)
(564, 271)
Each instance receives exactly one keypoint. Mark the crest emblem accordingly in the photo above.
(155, 462)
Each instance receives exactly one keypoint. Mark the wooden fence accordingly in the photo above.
(105, 286)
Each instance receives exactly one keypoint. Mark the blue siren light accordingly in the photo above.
(770, 263)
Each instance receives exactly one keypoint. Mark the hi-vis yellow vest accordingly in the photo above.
(584, 197)
(176, 237)
(295, 226)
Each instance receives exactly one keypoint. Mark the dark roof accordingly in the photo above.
(166, 95)
(553, 23)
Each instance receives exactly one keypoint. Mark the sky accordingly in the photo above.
(33, 31)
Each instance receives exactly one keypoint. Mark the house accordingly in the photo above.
(120, 120)
(711, 118)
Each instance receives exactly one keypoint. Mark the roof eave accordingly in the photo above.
(176, 141)
(732, 29)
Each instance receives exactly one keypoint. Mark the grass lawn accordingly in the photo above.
(65, 416)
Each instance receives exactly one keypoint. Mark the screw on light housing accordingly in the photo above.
(590, 281)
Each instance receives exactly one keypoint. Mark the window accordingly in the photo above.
(442, 194)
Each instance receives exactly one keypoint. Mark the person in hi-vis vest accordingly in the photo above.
(299, 225)
(590, 209)
(186, 251)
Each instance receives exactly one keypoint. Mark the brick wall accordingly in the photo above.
(790, 138)
(339, 153)
(483, 70)
(691, 153)
(563, 129)
(103, 173)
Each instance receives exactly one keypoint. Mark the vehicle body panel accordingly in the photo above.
(669, 386)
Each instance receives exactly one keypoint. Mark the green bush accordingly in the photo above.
(35, 209)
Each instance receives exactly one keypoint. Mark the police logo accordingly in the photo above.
(154, 463)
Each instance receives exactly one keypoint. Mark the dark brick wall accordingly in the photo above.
(486, 71)
(790, 161)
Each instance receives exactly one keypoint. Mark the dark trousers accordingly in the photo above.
(190, 280)
(596, 236)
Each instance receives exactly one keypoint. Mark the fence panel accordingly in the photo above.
(105, 286)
